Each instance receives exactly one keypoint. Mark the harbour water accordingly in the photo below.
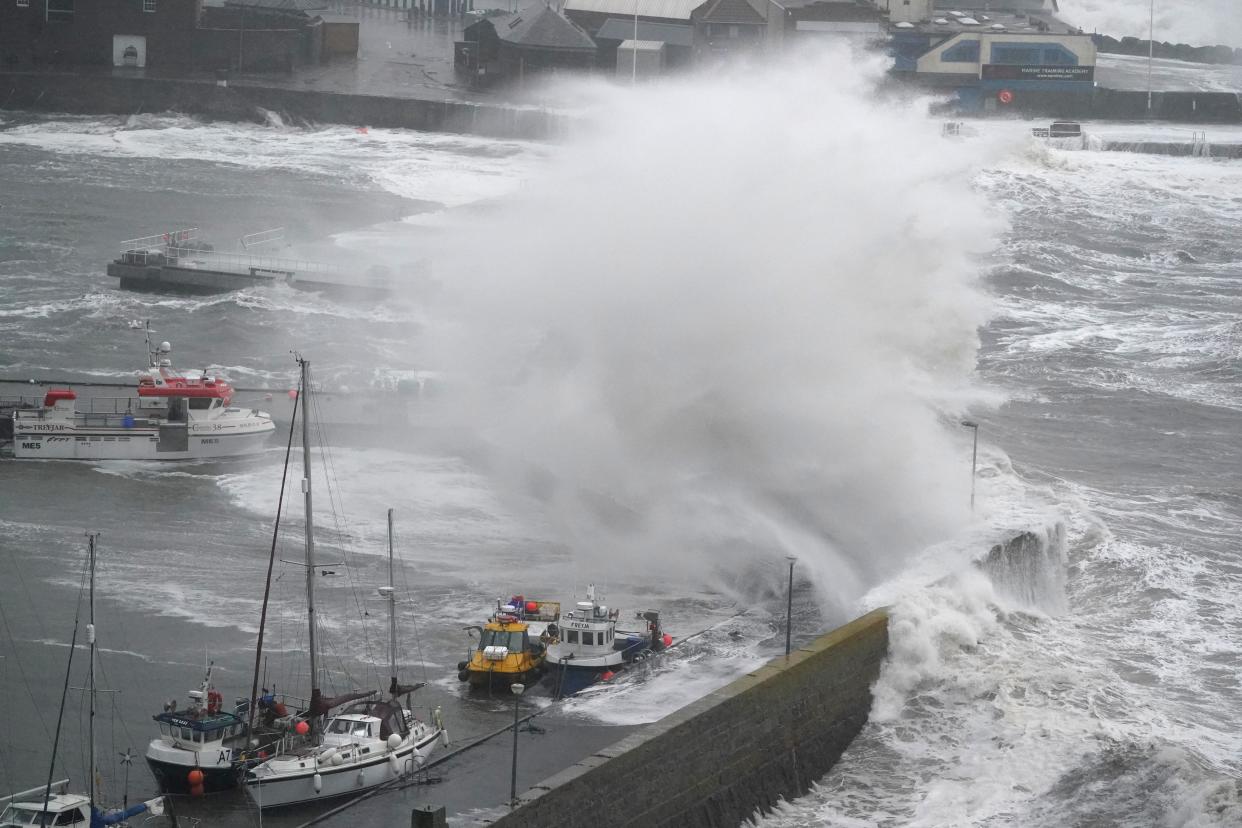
(731, 320)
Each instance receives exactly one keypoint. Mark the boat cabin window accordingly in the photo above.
(588, 638)
(201, 403)
(347, 728)
(185, 734)
(69, 818)
(571, 636)
(501, 638)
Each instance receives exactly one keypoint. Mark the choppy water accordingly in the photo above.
(1096, 686)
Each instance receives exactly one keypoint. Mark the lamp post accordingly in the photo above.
(789, 606)
(517, 689)
(634, 51)
(974, 458)
(1151, 51)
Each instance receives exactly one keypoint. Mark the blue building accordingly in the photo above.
(1020, 58)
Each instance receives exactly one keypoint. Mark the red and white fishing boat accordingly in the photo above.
(174, 417)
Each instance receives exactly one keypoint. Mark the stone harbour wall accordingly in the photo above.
(99, 93)
(765, 737)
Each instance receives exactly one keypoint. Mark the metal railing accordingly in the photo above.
(161, 240)
(243, 262)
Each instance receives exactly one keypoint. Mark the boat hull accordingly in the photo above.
(335, 781)
(136, 444)
(567, 678)
(173, 777)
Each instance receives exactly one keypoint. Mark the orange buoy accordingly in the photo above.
(668, 640)
(293, 393)
(195, 778)
(532, 606)
(302, 728)
(607, 675)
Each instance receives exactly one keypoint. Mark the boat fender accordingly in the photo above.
(461, 665)
(362, 777)
(338, 759)
(668, 640)
(463, 675)
(607, 674)
(437, 718)
(327, 756)
(317, 783)
(394, 741)
(394, 764)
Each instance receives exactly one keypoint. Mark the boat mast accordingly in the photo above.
(310, 549)
(90, 639)
(392, 615)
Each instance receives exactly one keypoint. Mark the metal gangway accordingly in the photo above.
(184, 248)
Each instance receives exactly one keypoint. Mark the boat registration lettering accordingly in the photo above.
(206, 441)
(225, 757)
(32, 445)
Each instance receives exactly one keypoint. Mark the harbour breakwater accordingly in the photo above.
(765, 737)
(107, 94)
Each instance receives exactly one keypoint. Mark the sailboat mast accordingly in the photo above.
(90, 639)
(392, 613)
(310, 548)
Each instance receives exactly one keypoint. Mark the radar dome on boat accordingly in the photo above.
(585, 606)
(165, 348)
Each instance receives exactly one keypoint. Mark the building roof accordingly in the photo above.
(281, 5)
(617, 28)
(731, 11)
(542, 27)
(966, 20)
(642, 45)
(661, 9)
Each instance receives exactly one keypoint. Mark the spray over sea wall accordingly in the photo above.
(730, 319)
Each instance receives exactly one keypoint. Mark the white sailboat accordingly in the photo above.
(52, 804)
(370, 742)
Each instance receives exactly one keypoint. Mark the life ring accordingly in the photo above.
(1005, 96)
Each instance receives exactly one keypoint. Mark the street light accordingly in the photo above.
(517, 689)
(974, 458)
(1151, 51)
(789, 605)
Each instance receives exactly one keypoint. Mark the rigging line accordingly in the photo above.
(271, 562)
(409, 597)
(328, 461)
(22, 670)
(64, 692)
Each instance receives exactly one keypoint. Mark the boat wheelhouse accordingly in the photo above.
(174, 417)
(591, 647)
(512, 644)
(61, 809)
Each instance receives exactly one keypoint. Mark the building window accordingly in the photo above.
(1033, 54)
(964, 51)
(148, 5)
(61, 10)
(23, 4)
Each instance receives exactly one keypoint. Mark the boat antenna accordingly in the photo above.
(64, 692)
(310, 549)
(392, 614)
(271, 562)
(151, 351)
(90, 639)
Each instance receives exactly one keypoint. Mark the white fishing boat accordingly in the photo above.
(367, 744)
(590, 647)
(173, 417)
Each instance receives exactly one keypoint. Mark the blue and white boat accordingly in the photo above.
(589, 647)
